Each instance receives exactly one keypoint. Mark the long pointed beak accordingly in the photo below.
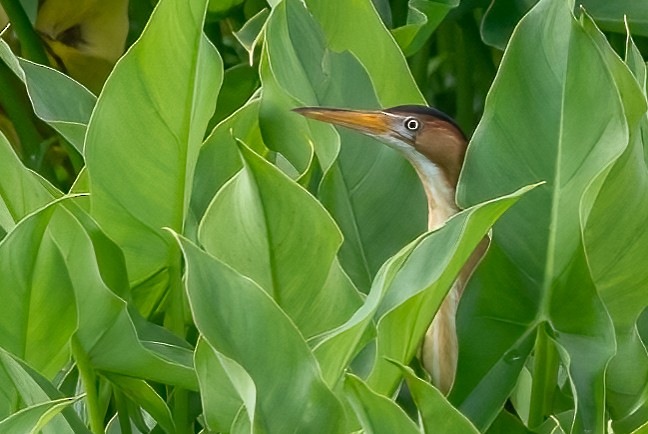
(374, 123)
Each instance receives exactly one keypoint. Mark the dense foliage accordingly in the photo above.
(179, 252)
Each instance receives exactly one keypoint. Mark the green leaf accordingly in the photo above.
(57, 245)
(372, 192)
(437, 414)
(251, 32)
(21, 190)
(40, 317)
(226, 389)
(112, 335)
(377, 413)
(502, 16)
(423, 17)
(555, 117)
(161, 95)
(615, 260)
(233, 314)
(395, 296)
(30, 388)
(219, 158)
(289, 254)
(57, 99)
(144, 396)
(32, 419)
(412, 297)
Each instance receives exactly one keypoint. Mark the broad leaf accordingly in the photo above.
(377, 413)
(373, 193)
(47, 89)
(141, 172)
(40, 317)
(555, 117)
(405, 295)
(227, 391)
(436, 413)
(423, 17)
(288, 254)
(30, 388)
(32, 420)
(616, 261)
(21, 190)
(233, 314)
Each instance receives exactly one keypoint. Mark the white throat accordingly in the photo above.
(440, 195)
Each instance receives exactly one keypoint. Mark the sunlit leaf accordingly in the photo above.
(141, 173)
(377, 413)
(423, 17)
(615, 261)
(556, 117)
(47, 88)
(289, 255)
(226, 306)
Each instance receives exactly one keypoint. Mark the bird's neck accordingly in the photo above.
(439, 190)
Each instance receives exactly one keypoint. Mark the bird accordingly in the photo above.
(435, 146)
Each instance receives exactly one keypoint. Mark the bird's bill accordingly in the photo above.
(375, 123)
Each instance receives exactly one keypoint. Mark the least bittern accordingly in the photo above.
(435, 145)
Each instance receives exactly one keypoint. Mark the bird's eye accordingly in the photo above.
(412, 124)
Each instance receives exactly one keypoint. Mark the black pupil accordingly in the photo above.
(412, 124)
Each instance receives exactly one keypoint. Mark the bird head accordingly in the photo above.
(428, 138)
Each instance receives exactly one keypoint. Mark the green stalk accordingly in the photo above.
(174, 321)
(122, 413)
(16, 103)
(545, 376)
(465, 89)
(89, 379)
(30, 42)
(418, 64)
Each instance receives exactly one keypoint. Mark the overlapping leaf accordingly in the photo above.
(161, 95)
(616, 261)
(47, 89)
(241, 321)
(373, 194)
(555, 117)
(270, 229)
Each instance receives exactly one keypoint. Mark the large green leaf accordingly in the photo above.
(270, 229)
(114, 337)
(423, 17)
(418, 288)
(372, 192)
(57, 99)
(241, 321)
(377, 413)
(27, 387)
(146, 130)
(21, 190)
(227, 391)
(32, 420)
(219, 158)
(436, 413)
(556, 116)
(502, 16)
(40, 317)
(616, 261)
(405, 295)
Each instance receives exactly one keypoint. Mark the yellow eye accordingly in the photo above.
(412, 124)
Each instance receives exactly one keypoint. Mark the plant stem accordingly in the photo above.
(14, 100)
(122, 413)
(89, 379)
(30, 42)
(545, 376)
(174, 320)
